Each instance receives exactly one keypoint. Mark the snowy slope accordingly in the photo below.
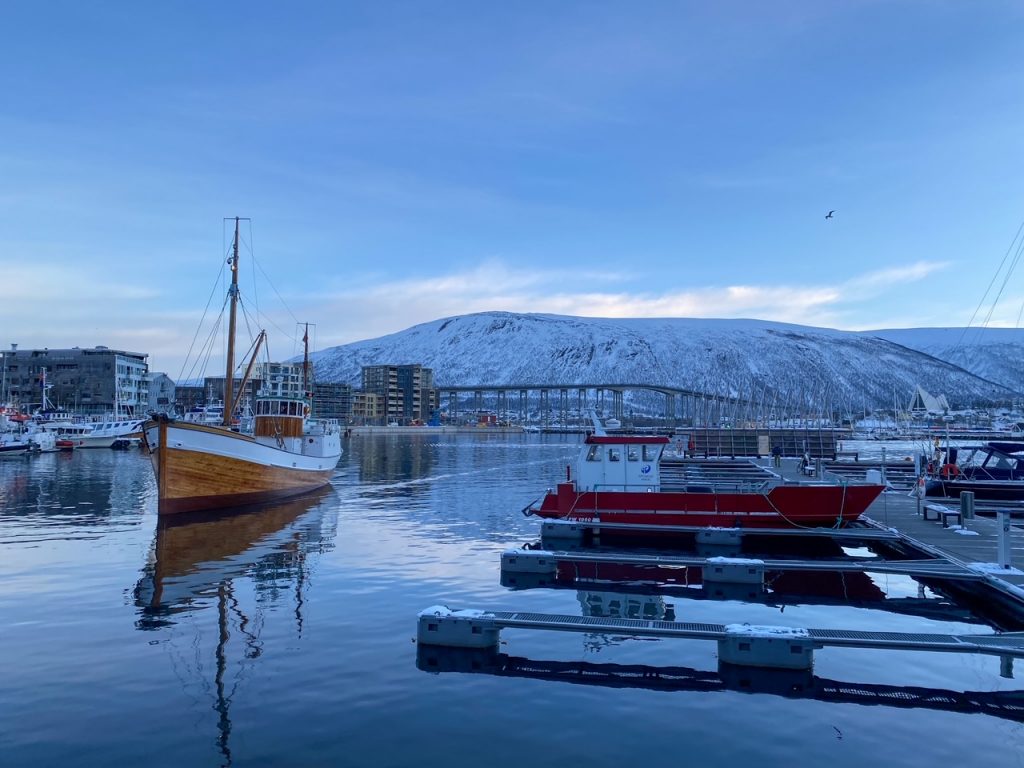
(745, 358)
(996, 354)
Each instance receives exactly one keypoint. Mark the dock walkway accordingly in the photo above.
(976, 542)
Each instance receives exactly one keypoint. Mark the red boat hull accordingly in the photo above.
(780, 507)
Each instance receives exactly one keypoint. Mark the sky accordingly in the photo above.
(405, 161)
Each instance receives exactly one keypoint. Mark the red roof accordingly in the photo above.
(625, 439)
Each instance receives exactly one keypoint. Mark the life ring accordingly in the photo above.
(949, 470)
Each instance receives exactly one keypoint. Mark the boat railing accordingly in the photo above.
(691, 486)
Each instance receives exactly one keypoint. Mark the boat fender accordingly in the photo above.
(949, 470)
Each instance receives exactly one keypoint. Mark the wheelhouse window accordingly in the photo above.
(614, 454)
(632, 454)
(650, 453)
(594, 454)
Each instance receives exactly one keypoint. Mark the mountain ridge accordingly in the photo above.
(735, 357)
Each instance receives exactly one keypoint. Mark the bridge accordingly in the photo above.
(561, 400)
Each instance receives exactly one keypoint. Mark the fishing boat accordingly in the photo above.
(993, 471)
(204, 467)
(618, 479)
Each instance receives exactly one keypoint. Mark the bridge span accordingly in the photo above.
(561, 401)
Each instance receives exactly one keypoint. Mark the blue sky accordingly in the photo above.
(407, 161)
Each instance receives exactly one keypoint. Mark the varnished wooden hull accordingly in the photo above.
(201, 468)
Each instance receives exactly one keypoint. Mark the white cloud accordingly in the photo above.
(53, 307)
(387, 307)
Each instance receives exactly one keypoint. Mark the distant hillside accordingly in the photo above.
(743, 358)
(996, 354)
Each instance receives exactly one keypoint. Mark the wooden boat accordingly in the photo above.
(204, 467)
(618, 480)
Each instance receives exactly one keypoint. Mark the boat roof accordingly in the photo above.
(624, 439)
(1007, 448)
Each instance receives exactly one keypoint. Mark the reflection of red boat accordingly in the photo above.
(850, 586)
(618, 480)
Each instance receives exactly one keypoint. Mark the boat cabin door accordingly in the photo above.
(610, 465)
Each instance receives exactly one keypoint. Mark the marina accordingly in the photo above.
(194, 623)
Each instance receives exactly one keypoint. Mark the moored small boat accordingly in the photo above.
(993, 471)
(618, 480)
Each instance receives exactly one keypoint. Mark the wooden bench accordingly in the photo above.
(941, 514)
(951, 514)
(844, 454)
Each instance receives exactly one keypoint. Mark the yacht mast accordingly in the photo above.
(233, 293)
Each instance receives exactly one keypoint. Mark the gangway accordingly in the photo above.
(541, 561)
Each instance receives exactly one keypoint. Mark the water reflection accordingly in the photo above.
(197, 561)
(646, 586)
(54, 490)
(394, 458)
(793, 684)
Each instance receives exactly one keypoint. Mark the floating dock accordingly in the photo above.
(741, 644)
(973, 554)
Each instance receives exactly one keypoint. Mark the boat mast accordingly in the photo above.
(233, 293)
(305, 366)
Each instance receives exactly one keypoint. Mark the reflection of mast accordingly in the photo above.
(223, 702)
(195, 561)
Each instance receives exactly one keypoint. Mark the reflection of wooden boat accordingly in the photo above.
(195, 561)
(203, 467)
(193, 554)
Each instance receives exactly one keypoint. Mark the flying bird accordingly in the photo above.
(829, 216)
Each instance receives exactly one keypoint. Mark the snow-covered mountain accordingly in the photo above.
(744, 358)
(996, 354)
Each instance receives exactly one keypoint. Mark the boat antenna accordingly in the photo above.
(232, 319)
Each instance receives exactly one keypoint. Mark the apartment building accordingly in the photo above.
(96, 380)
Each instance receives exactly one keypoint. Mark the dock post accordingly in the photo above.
(1003, 526)
(525, 561)
(781, 652)
(966, 507)
(440, 625)
(730, 578)
(1006, 667)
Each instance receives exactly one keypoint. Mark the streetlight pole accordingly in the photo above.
(3, 385)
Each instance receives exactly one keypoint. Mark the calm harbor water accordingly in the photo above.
(286, 636)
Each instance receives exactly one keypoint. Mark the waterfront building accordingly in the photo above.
(367, 408)
(161, 393)
(407, 391)
(96, 380)
(333, 400)
(281, 380)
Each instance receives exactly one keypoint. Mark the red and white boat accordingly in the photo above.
(618, 480)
